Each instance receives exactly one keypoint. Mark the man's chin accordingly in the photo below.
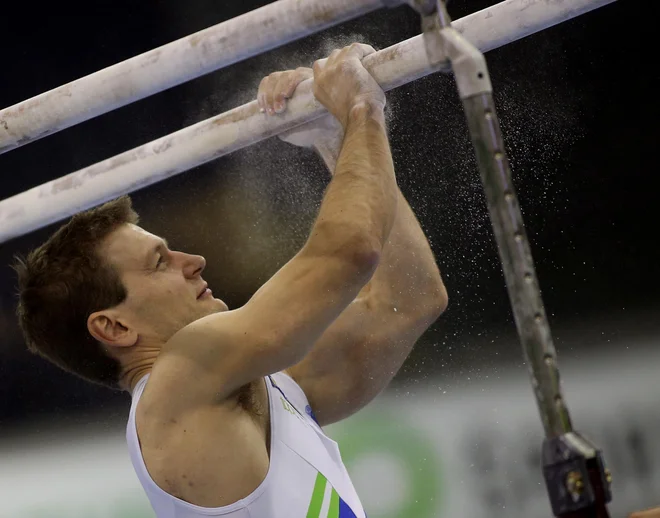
(216, 306)
(211, 307)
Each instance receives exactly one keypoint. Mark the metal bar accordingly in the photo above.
(573, 468)
(517, 263)
(182, 60)
(476, 92)
(243, 126)
(576, 478)
(578, 483)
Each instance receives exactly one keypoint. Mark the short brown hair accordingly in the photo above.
(64, 281)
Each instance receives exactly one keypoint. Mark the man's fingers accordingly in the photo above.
(333, 55)
(265, 95)
(287, 84)
(284, 89)
(270, 91)
(319, 65)
(275, 89)
(361, 50)
(304, 73)
(261, 95)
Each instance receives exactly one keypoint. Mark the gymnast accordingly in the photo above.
(228, 405)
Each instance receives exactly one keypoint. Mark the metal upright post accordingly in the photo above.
(578, 483)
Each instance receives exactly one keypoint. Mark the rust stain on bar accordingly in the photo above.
(320, 14)
(152, 57)
(118, 161)
(18, 213)
(165, 144)
(69, 182)
(48, 97)
(237, 114)
(204, 39)
(268, 22)
(12, 213)
(385, 55)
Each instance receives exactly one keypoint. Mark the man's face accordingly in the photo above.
(165, 288)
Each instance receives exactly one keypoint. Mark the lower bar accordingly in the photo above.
(243, 126)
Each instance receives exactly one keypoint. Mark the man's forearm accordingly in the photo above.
(407, 277)
(363, 193)
(329, 149)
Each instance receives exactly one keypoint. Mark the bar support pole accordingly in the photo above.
(578, 483)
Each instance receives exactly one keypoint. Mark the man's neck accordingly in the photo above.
(132, 379)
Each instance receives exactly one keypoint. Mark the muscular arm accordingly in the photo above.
(365, 149)
(281, 322)
(362, 351)
(407, 277)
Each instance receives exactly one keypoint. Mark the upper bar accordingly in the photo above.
(243, 126)
(182, 60)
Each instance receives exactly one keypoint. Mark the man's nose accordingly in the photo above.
(193, 265)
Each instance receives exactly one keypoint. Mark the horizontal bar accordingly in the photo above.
(182, 60)
(243, 126)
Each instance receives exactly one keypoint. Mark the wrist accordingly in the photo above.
(366, 110)
(328, 150)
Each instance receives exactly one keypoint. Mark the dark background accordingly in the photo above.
(578, 114)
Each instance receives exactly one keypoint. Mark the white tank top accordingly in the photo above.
(306, 477)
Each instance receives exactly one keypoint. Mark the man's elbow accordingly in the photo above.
(437, 301)
(430, 305)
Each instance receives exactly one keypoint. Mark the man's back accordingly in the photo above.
(267, 458)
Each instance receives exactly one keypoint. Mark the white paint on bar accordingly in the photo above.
(243, 126)
(164, 67)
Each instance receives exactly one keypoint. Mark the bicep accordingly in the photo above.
(294, 308)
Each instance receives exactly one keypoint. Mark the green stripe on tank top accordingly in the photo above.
(315, 505)
(333, 512)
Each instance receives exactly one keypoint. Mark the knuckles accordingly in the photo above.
(276, 87)
(340, 62)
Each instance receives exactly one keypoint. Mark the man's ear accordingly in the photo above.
(108, 328)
